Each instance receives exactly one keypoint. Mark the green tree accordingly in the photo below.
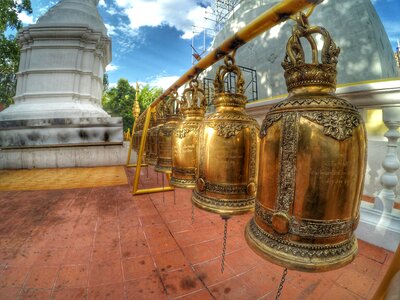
(118, 101)
(9, 47)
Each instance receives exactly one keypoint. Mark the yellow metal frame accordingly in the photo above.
(272, 17)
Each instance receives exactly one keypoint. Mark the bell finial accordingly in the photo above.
(298, 73)
(193, 97)
(229, 66)
(172, 105)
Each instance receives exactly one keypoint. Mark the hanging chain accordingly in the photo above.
(225, 218)
(174, 197)
(192, 213)
(278, 294)
(163, 196)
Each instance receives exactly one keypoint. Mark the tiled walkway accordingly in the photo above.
(102, 243)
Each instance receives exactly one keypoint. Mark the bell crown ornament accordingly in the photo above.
(193, 97)
(225, 98)
(171, 108)
(299, 73)
(160, 115)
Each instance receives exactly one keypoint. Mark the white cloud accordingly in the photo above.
(175, 13)
(163, 81)
(111, 68)
(102, 3)
(25, 18)
(110, 29)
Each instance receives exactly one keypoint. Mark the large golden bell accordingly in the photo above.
(312, 165)
(228, 151)
(185, 137)
(164, 138)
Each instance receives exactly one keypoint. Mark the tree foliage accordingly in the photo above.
(9, 48)
(118, 101)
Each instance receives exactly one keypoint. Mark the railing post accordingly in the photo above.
(386, 197)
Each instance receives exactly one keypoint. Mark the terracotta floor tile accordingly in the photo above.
(242, 260)
(107, 292)
(72, 276)
(145, 288)
(138, 267)
(151, 220)
(105, 252)
(51, 257)
(312, 285)
(13, 276)
(372, 252)
(131, 233)
(198, 295)
(41, 277)
(162, 245)
(269, 281)
(83, 240)
(210, 272)
(178, 225)
(9, 292)
(181, 282)
(78, 256)
(356, 282)
(134, 248)
(37, 294)
(156, 231)
(367, 266)
(200, 253)
(337, 292)
(70, 294)
(105, 272)
(170, 261)
(232, 289)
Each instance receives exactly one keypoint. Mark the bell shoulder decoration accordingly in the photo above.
(312, 165)
(228, 151)
(185, 137)
(164, 137)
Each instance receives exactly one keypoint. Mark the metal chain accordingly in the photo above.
(192, 213)
(163, 196)
(278, 294)
(224, 244)
(174, 197)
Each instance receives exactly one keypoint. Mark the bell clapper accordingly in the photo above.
(278, 293)
(225, 218)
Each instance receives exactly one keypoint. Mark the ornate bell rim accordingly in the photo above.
(298, 256)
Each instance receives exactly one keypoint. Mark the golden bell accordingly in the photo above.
(228, 151)
(159, 118)
(312, 165)
(164, 137)
(149, 158)
(185, 137)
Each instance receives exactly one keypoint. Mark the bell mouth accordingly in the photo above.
(230, 100)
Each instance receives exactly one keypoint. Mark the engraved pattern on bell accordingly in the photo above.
(165, 133)
(184, 140)
(228, 151)
(312, 165)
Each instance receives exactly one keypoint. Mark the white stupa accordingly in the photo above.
(60, 81)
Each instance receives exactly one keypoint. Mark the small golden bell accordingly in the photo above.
(312, 165)
(164, 137)
(185, 137)
(228, 151)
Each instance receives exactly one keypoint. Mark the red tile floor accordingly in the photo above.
(102, 243)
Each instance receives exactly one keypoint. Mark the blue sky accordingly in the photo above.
(152, 39)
